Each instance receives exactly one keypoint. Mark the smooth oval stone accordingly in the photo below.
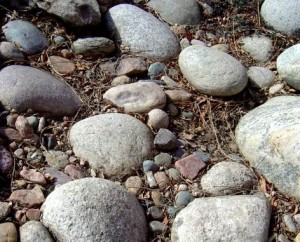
(268, 137)
(26, 36)
(75, 12)
(112, 143)
(10, 51)
(8, 232)
(288, 66)
(224, 218)
(261, 77)
(137, 97)
(282, 15)
(100, 211)
(181, 12)
(212, 72)
(61, 65)
(31, 88)
(141, 32)
(34, 231)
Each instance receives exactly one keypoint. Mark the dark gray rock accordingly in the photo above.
(100, 211)
(6, 161)
(181, 12)
(141, 32)
(31, 88)
(157, 227)
(26, 36)
(58, 177)
(183, 198)
(148, 165)
(156, 70)
(34, 231)
(165, 140)
(156, 213)
(95, 47)
(75, 12)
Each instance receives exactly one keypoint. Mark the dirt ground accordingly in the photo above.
(211, 127)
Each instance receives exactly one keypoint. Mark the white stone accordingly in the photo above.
(288, 66)
(34, 231)
(139, 97)
(231, 177)
(226, 218)
(261, 77)
(157, 119)
(259, 47)
(282, 15)
(141, 32)
(212, 72)
(182, 12)
(94, 209)
(112, 143)
(268, 137)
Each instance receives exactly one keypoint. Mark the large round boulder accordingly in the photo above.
(141, 32)
(268, 137)
(94, 209)
(112, 143)
(212, 72)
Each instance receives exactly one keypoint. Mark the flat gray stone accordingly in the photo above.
(95, 47)
(282, 15)
(288, 66)
(75, 12)
(112, 143)
(259, 47)
(31, 88)
(212, 72)
(139, 97)
(26, 36)
(181, 12)
(231, 177)
(141, 32)
(100, 211)
(228, 218)
(268, 137)
(34, 231)
(261, 77)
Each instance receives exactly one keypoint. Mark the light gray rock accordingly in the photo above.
(56, 158)
(34, 231)
(5, 209)
(96, 47)
(259, 47)
(141, 32)
(181, 12)
(35, 89)
(231, 177)
(157, 119)
(261, 77)
(26, 36)
(268, 137)
(228, 218)
(113, 143)
(10, 51)
(282, 15)
(288, 67)
(139, 97)
(121, 80)
(276, 88)
(100, 211)
(75, 12)
(212, 72)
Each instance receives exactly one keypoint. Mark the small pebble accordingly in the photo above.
(174, 174)
(282, 238)
(158, 199)
(156, 213)
(221, 47)
(11, 119)
(157, 119)
(287, 218)
(134, 184)
(5, 209)
(163, 159)
(149, 165)
(42, 124)
(198, 42)
(169, 82)
(33, 214)
(161, 179)
(33, 121)
(178, 95)
(58, 39)
(157, 227)
(276, 88)
(165, 140)
(52, 142)
(182, 187)
(33, 176)
(202, 156)
(172, 109)
(57, 159)
(183, 198)
(157, 69)
(19, 152)
(172, 211)
(120, 80)
(24, 127)
(74, 172)
(150, 179)
(184, 43)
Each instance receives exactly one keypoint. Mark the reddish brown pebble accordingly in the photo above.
(28, 198)
(74, 172)
(190, 166)
(131, 66)
(33, 214)
(10, 134)
(33, 176)
(61, 65)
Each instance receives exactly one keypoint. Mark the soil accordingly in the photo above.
(211, 127)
